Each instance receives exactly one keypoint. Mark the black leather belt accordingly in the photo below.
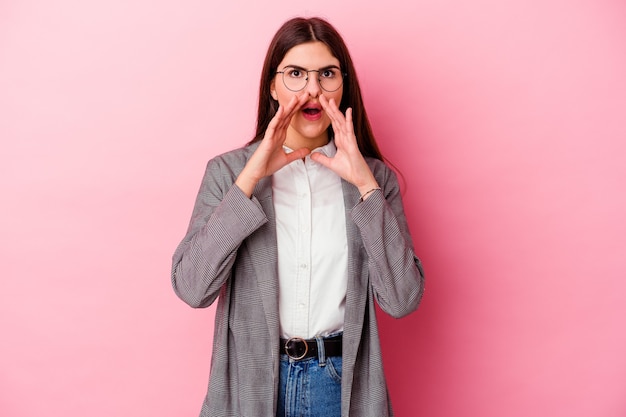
(298, 349)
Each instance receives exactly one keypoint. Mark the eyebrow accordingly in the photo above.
(304, 69)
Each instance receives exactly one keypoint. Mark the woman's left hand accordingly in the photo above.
(348, 162)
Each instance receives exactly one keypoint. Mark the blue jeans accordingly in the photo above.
(310, 387)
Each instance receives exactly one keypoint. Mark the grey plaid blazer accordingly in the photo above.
(230, 254)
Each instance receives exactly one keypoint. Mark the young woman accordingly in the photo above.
(296, 234)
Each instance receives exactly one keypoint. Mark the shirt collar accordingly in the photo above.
(329, 149)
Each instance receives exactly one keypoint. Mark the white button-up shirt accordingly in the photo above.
(312, 247)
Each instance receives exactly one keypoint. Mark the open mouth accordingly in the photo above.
(312, 112)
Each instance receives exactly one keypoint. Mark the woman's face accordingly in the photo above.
(308, 127)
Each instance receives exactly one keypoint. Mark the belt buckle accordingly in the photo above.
(294, 348)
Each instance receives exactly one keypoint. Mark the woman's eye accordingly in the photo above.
(295, 73)
(329, 73)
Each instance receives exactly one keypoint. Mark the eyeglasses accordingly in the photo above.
(296, 78)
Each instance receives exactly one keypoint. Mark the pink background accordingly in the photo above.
(507, 119)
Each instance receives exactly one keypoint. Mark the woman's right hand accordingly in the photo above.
(270, 156)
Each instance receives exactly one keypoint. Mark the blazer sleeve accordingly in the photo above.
(396, 273)
(223, 216)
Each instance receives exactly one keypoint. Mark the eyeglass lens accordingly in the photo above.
(296, 79)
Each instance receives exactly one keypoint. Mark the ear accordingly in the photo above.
(273, 90)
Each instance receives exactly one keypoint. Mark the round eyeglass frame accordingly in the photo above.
(343, 75)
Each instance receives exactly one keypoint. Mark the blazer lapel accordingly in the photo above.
(356, 294)
(264, 246)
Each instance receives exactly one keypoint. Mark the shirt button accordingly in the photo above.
(303, 266)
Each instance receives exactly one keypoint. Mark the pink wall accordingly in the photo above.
(508, 120)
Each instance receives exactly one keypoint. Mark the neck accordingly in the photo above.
(295, 141)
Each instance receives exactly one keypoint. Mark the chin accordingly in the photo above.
(313, 132)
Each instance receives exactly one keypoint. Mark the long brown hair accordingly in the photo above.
(295, 32)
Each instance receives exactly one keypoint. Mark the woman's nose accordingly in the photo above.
(313, 85)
